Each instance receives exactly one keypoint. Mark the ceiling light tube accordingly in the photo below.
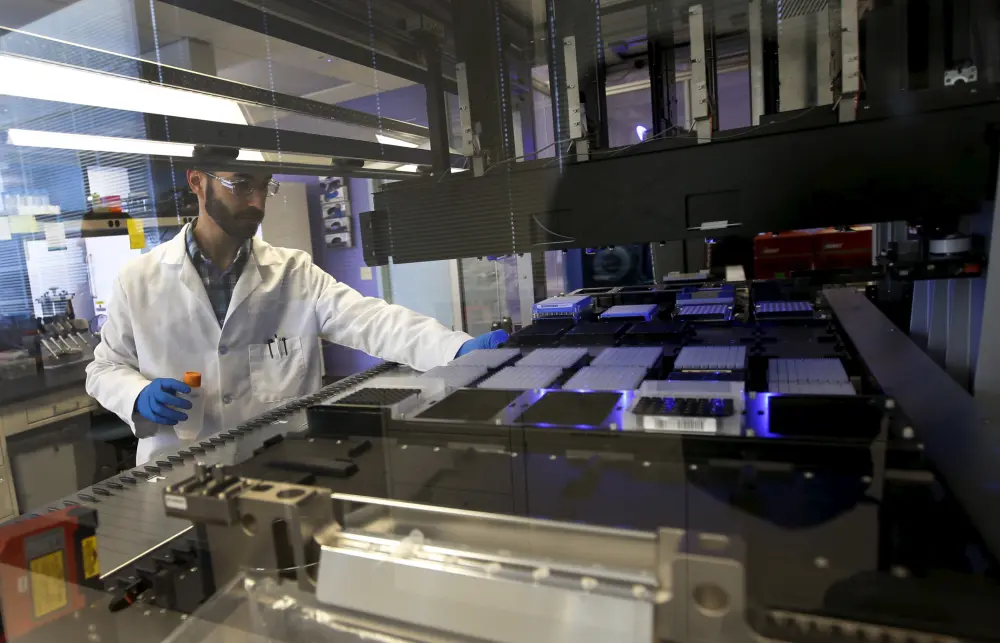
(35, 79)
(91, 143)
(391, 140)
(115, 144)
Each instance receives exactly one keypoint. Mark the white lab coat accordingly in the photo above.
(161, 324)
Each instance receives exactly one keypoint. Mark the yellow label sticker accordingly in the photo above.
(23, 224)
(48, 583)
(91, 564)
(136, 234)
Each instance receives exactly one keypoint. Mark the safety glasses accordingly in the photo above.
(243, 188)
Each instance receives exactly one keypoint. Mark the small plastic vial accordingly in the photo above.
(196, 414)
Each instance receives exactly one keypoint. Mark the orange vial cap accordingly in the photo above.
(193, 379)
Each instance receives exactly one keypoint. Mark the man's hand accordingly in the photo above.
(492, 339)
(155, 401)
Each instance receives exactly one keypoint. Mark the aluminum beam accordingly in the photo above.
(196, 132)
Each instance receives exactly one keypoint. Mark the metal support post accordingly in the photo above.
(524, 111)
(769, 31)
(937, 57)
(886, 55)
(577, 120)
(662, 66)
(557, 75)
(470, 140)
(525, 287)
(481, 46)
(591, 72)
(700, 105)
(825, 50)
(711, 63)
(756, 18)
(850, 65)
(437, 113)
(795, 51)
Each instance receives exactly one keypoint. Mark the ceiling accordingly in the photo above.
(17, 13)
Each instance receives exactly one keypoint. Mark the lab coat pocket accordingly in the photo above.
(278, 370)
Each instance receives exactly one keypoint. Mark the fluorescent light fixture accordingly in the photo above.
(640, 131)
(87, 142)
(27, 78)
(251, 155)
(389, 140)
(91, 143)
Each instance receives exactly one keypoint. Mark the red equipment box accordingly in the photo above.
(776, 256)
(843, 249)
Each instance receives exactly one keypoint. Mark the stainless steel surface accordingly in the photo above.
(495, 578)
(470, 601)
(951, 245)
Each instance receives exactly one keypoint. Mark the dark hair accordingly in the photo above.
(205, 156)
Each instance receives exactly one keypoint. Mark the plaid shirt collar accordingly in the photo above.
(219, 284)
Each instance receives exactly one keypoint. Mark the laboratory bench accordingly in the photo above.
(53, 380)
(48, 438)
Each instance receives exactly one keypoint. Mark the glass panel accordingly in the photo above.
(438, 322)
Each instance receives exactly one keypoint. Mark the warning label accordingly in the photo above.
(91, 565)
(48, 583)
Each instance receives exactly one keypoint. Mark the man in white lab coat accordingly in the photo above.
(244, 314)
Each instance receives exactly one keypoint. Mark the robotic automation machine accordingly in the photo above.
(710, 457)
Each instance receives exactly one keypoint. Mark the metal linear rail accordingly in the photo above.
(958, 431)
(196, 132)
(280, 24)
(29, 45)
(276, 167)
(933, 163)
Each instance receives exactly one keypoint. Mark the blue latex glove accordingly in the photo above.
(155, 401)
(491, 339)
